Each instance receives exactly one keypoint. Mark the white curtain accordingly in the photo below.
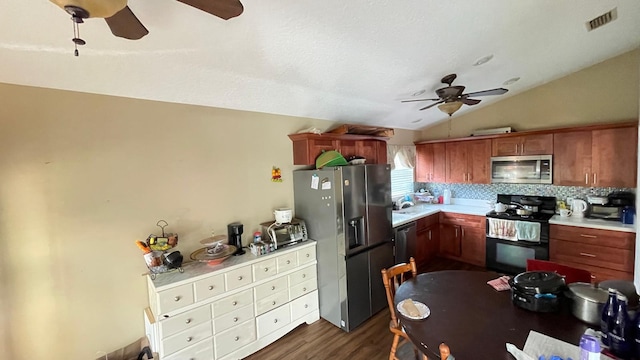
(401, 156)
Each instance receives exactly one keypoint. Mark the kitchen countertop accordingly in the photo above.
(592, 223)
(481, 208)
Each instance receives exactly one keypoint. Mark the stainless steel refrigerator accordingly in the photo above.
(347, 210)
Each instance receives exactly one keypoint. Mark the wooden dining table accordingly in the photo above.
(474, 319)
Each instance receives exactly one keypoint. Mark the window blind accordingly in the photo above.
(401, 182)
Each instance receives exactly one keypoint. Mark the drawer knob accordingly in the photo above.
(306, 306)
(266, 269)
(177, 298)
(308, 255)
(235, 319)
(288, 262)
(304, 289)
(273, 288)
(210, 287)
(273, 303)
(234, 303)
(275, 321)
(188, 321)
(189, 339)
(304, 276)
(237, 338)
(239, 278)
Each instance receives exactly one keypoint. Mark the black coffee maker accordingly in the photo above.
(235, 231)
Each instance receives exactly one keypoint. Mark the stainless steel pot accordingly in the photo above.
(523, 212)
(588, 301)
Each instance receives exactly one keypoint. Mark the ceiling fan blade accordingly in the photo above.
(412, 100)
(468, 101)
(225, 9)
(432, 105)
(126, 25)
(498, 91)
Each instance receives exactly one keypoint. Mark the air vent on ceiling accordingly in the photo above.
(602, 19)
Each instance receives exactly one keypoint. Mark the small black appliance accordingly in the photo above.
(235, 231)
(539, 291)
(617, 201)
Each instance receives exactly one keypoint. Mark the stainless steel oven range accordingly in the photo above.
(512, 238)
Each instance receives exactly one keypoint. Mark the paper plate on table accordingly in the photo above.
(422, 309)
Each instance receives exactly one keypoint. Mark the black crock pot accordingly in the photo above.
(539, 291)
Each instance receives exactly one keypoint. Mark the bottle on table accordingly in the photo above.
(620, 333)
(608, 315)
(589, 348)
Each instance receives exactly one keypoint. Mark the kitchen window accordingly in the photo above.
(401, 182)
(402, 159)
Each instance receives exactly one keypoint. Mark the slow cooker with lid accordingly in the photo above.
(539, 291)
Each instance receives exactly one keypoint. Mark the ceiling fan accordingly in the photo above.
(450, 98)
(123, 23)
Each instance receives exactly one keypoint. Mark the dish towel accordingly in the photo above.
(502, 229)
(528, 231)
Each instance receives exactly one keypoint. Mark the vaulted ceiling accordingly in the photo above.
(350, 61)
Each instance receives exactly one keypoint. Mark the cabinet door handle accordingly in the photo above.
(429, 234)
(586, 178)
(516, 148)
(594, 178)
(462, 220)
(587, 255)
(588, 236)
(456, 231)
(462, 231)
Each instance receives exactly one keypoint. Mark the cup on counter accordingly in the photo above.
(565, 212)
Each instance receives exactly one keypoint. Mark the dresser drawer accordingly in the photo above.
(601, 256)
(287, 262)
(185, 321)
(273, 320)
(302, 288)
(271, 287)
(264, 269)
(238, 278)
(173, 299)
(200, 351)
(183, 339)
(302, 275)
(229, 320)
(232, 302)
(306, 255)
(234, 338)
(617, 239)
(304, 305)
(209, 287)
(271, 302)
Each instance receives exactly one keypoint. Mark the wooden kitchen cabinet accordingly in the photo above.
(602, 158)
(431, 163)
(606, 254)
(427, 239)
(462, 238)
(539, 144)
(468, 161)
(307, 147)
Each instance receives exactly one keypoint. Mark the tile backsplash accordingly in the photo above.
(490, 191)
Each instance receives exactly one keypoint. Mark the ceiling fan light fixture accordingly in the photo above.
(99, 9)
(450, 107)
(511, 81)
(483, 60)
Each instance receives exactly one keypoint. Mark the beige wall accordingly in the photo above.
(605, 92)
(84, 176)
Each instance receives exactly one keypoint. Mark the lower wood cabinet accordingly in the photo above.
(427, 239)
(234, 311)
(606, 254)
(462, 238)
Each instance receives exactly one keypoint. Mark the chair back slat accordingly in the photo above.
(393, 277)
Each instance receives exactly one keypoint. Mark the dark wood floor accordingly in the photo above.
(370, 341)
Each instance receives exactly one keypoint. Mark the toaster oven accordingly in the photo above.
(284, 234)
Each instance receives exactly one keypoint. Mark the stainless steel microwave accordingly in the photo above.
(533, 169)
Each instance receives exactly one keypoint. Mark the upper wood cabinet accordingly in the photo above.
(541, 144)
(430, 163)
(602, 158)
(468, 161)
(307, 147)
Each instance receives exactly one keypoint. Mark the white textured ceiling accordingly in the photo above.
(348, 61)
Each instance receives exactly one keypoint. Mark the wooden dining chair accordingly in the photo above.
(569, 273)
(392, 278)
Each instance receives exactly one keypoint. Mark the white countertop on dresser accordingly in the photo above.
(592, 223)
(196, 269)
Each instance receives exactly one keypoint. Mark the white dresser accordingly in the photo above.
(234, 309)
